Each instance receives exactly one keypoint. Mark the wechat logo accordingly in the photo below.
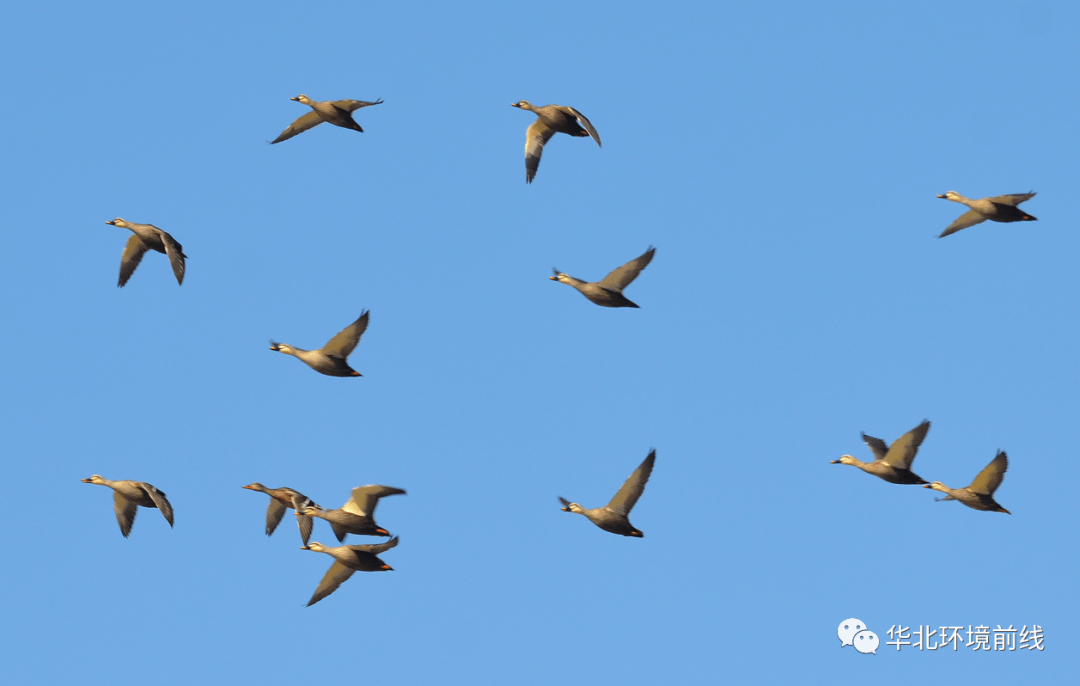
(853, 632)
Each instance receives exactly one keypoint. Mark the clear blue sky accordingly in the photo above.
(783, 158)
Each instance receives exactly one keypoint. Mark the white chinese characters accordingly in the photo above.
(975, 637)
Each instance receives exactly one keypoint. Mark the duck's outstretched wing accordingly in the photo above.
(991, 476)
(902, 451)
(160, 501)
(133, 253)
(307, 121)
(342, 344)
(586, 124)
(364, 499)
(877, 446)
(353, 105)
(125, 512)
(633, 487)
(175, 253)
(969, 218)
(623, 276)
(376, 548)
(1012, 199)
(536, 137)
(334, 577)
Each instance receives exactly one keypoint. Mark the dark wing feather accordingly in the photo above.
(632, 488)
(902, 452)
(587, 125)
(274, 512)
(622, 277)
(969, 218)
(125, 512)
(303, 522)
(307, 121)
(345, 341)
(334, 577)
(176, 256)
(133, 253)
(877, 446)
(991, 476)
(160, 501)
(364, 499)
(376, 548)
(1012, 199)
(536, 137)
(339, 531)
(353, 105)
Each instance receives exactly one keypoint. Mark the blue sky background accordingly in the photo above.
(783, 158)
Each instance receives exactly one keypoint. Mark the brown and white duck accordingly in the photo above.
(614, 516)
(336, 112)
(550, 120)
(330, 359)
(129, 495)
(348, 559)
(608, 292)
(148, 237)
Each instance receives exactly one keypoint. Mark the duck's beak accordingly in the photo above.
(111, 223)
(86, 481)
(297, 98)
(928, 486)
(835, 462)
(941, 196)
(514, 104)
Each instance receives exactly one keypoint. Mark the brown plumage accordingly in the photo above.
(331, 358)
(551, 119)
(892, 464)
(357, 515)
(980, 494)
(128, 496)
(615, 516)
(282, 499)
(336, 112)
(348, 559)
(1000, 208)
(148, 237)
(608, 292)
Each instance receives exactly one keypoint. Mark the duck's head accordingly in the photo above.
(570, 507)
(314, 546)
(117, 222)
(522, 104)
(844, 459)
(303, 99)
(559, 276)
(950, 195)
(255, 487)
(94, 479)
(937, 486)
